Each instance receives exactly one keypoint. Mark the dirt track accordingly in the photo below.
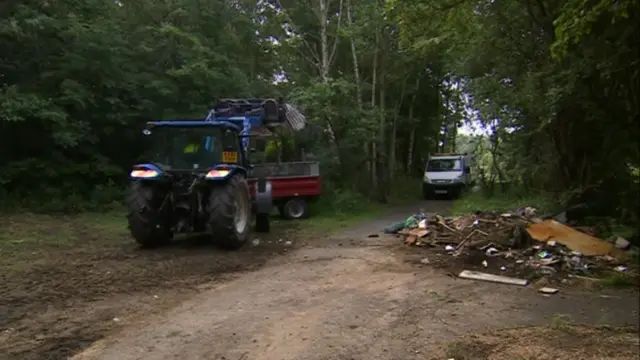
(338, 297)
(58, 298)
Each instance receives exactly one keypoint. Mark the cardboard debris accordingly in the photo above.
(419, 233)
(515, 243)
(586, 244)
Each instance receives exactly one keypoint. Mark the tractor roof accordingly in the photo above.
(193, 123)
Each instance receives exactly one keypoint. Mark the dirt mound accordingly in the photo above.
(557, 342)
(62, 290)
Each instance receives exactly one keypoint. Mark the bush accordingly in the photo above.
(479, 201)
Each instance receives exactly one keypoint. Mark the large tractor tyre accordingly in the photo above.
(263, 225)
(145, 222)
(294, 209)
(229, 210)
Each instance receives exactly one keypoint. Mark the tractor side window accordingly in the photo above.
(229, 141)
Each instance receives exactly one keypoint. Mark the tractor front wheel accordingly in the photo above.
(146, 223)
(229, 210)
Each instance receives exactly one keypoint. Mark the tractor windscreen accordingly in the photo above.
(191, 148)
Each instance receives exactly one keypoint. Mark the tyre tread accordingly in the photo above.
(141, 221)
(220, 208)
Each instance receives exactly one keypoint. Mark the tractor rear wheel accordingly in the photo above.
(145, 221)
(229, 209)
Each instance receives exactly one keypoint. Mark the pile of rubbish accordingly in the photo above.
(517, 242)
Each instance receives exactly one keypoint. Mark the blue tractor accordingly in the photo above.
(195, 178)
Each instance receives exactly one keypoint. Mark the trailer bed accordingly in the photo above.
(292, 179)
(293, 186)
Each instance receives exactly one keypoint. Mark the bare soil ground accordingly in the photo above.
(66, 282)
(555, 342)
(83, 285)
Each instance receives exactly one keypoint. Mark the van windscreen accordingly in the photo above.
(444, 165)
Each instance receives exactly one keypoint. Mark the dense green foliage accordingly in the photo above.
(555, 82)
(383, 83)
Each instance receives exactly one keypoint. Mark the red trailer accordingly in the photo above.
(293, 185)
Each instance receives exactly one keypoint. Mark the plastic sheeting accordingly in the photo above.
(295, 119)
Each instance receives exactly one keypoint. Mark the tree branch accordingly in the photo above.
(314, 54)
(335, 43)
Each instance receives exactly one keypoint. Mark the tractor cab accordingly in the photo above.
(195, 175)
(194, 146)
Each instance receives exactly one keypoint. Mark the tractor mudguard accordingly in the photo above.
(263, 199)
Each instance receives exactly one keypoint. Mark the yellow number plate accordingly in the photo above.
(229, 157)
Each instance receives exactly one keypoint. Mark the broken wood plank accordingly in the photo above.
(418, 232)
(478, 244)
(475, 275)
(487, 221)
(463, 242)
(448, 227)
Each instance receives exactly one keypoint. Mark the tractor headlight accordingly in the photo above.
(216, 174)
(144, 173)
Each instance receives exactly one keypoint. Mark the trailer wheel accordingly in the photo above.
(295, 208)
(229, 209)
(146, 224)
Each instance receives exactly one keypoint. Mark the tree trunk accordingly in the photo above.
(373, 148)
(412, 135)
(354, 55)
(383, 162)
(324, 41)
(392, 137)
(356, 76)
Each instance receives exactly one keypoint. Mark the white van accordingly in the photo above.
(446, 174)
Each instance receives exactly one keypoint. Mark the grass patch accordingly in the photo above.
(560, 322)
(341, 209)
(338, 210)
(331, 222)
(478, 201)
(405, 190)
(469, 350)
(619, 280)
(33, 231)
